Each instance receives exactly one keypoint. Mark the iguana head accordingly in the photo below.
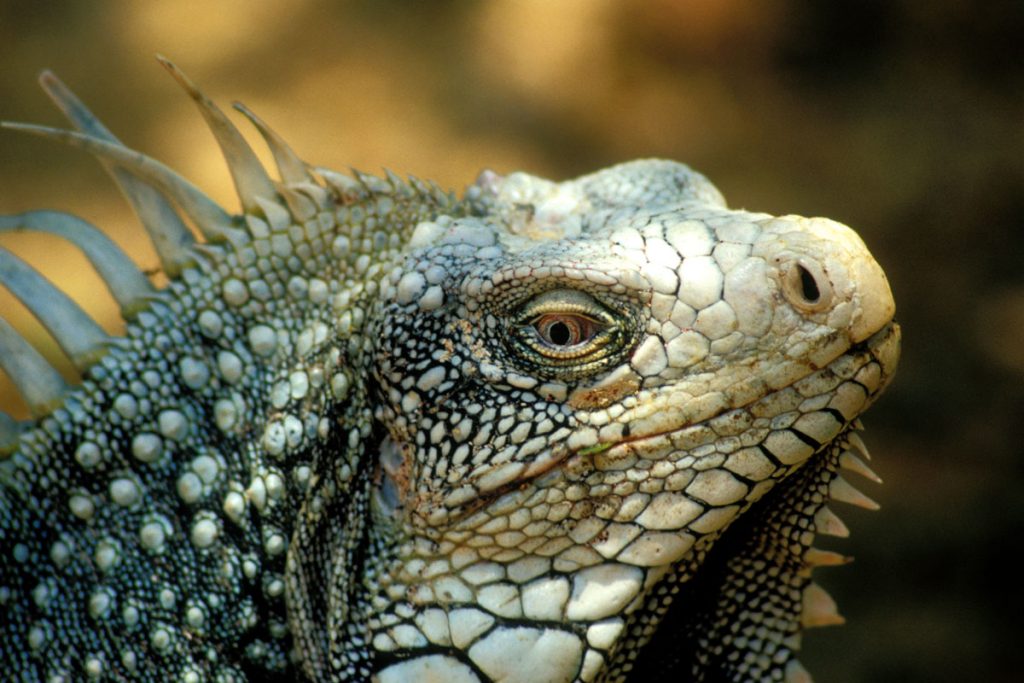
(581, 386)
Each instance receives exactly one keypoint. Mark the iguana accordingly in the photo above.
(370, 430)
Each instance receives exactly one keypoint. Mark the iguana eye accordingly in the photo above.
(566, 330)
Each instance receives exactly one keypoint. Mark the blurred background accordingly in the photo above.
(902, 118)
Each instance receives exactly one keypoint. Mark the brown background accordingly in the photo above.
(902, 118)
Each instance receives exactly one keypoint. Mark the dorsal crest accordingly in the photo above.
(274, 237)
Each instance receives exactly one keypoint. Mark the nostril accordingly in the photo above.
(806, 286)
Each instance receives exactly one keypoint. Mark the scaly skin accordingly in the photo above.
(545, 432)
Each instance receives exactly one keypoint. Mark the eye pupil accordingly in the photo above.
(559, 334)
(808, 286)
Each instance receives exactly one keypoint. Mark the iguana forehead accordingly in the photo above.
(530, 209)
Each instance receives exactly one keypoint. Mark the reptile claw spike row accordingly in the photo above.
(170, 237)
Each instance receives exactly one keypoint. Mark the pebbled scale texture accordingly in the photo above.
(577, 431)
